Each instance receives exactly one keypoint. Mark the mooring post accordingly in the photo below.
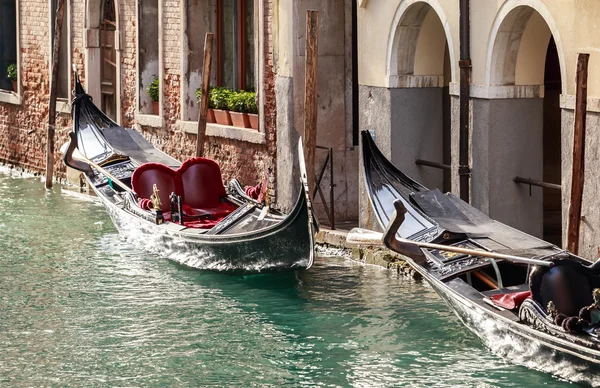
(60, 11)
(464, 171)
(203, 103)
(578, 154)
(310, 95)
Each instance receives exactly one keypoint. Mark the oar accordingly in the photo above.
(408, 247)
(412, 248)
(78, 155)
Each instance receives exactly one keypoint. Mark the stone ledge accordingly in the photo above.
(223, 131)
(10, 97)
(63, 106)
(567, 101)
(499, 92)
(149, 120)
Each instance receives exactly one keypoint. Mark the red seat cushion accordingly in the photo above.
(198, 181)
(510, 301)
(202, 185)
(145, 176)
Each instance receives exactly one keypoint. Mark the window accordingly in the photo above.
(64, 55)
(235, 44)
(200, 18)
(8, 41)
(148, 57)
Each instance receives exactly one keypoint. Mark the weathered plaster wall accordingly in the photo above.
(507, 138)
(333, 128)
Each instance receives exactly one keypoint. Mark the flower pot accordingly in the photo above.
(15, 86)
(253, 120)
(210, 116)
(155, 108)
(240, 119)
(222, 117)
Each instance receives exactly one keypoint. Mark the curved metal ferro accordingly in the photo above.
(389, 236)
(77, 164)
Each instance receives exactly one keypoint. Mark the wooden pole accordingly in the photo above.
(60, 11)
(310, 96)
(578, 155)
(203, 105)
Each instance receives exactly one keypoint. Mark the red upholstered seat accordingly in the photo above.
(198, 181)
(146, 175)
(202, 186)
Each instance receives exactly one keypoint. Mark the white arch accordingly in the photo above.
(505, 10)
(395, 42)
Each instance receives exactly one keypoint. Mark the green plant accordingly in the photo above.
(11, 72)
(218, 97)
(250, 101)
(211, 104)
(153, 90)
(236, 102)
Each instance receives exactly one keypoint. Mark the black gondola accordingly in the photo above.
(526, 299)
(198, 221)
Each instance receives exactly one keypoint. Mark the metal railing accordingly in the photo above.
(533, 182)
(441, 166)
(328, 162)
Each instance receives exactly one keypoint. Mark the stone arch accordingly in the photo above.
(93, 55)
(407, 26)
(511, 29)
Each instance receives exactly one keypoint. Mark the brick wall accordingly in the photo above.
(20, 146)
(23, 127)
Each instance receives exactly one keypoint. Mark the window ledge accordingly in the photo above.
(63, 106)
(224, 131)
(10, 97)
(149, 120)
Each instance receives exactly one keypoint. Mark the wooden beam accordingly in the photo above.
(203, 103)
(60, 11)
(578, 155)
(310, 95)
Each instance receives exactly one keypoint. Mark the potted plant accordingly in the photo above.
(154, 92)
(236, 103)
(210, 114)
(11, 73)
(252, 109)
(218, 99)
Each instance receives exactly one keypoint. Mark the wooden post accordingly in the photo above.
(60, 11)
(310, 96)
(578, 155)
(203, 105)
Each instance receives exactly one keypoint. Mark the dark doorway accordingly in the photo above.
(552, 147)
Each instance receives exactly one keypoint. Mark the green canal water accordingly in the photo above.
(80, 307)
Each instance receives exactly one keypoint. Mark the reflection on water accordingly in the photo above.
(81, 307)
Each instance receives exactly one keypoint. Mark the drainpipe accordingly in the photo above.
(464, 171)
(354, 73)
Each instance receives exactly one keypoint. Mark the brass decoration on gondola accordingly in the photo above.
(155, 198)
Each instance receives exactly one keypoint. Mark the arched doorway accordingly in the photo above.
(420, 70)
(517, 126)
(103, 56)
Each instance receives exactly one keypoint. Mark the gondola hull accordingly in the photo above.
(427, 217)
(233, 233)
(286, 246)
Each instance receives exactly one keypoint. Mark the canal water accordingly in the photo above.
(81, 307)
